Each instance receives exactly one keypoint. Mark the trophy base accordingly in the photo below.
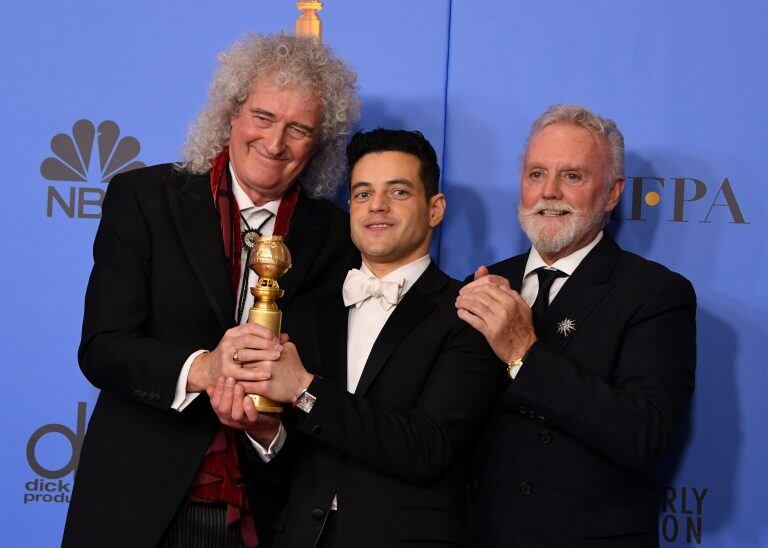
(265, 405)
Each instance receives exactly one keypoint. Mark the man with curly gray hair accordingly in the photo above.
(169, 294)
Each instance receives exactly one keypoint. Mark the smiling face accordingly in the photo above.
(390, 215)
(273, 138)
(563, 195)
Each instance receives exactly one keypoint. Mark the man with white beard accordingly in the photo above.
(599, 350)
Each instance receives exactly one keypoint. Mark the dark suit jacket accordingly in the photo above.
(160, 290)
(395, 452)
(568, 459)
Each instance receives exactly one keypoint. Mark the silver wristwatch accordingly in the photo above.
(305, 401)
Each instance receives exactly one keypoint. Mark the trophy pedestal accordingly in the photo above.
(271, 319)
(265, 405)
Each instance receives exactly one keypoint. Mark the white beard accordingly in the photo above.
(550, 235)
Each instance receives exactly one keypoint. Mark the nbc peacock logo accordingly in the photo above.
(73, 163)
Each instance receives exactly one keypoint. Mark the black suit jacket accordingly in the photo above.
(396, 452)
(160, 290)
(568, 459)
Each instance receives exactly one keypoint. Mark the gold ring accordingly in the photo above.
(234, 357)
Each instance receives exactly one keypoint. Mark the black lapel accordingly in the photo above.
(304, 240)
(197, 222)
(411, 310)
(579, 295)
(512, 269)
(332, 335)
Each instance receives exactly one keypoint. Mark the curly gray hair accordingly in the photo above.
(293, 61)
(582, 116)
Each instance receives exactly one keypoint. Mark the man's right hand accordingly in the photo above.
(252, 343)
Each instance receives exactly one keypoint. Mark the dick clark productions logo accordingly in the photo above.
(50, 486)
(72, 162)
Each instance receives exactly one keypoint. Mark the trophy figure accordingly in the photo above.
(270, 259)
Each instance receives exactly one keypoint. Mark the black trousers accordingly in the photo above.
(201, 526)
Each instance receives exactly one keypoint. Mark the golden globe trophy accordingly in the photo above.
(270, 259)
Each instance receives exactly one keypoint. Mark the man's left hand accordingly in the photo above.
(237, 411)
(502, 316)
(287, 376)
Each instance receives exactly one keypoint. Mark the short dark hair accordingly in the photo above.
(398, 140)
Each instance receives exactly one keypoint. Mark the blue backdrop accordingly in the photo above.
(686, 82)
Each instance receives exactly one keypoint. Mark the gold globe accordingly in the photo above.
(270, 257)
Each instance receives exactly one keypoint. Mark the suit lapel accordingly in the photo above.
(579, 295)
(514, 272)
(199, 230)
(332, 320)
(304, 242)
(411, 310)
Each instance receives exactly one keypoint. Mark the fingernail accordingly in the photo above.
(230, 381)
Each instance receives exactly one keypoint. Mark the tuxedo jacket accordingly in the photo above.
(160, 290)
(396, 452)
(568, 459)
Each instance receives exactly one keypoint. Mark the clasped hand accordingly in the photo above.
(253, 343)
(269, 367)
(498, 312)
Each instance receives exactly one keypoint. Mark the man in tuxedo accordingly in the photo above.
(599, 349)
(390, 387)
(170, 285)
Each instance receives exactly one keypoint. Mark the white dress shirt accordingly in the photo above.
(253, 216)
(367, 318)
(568, 265)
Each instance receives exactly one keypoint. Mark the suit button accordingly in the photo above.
(317, 430)
(541, 419)
(545, 437)
(473, 484)
(522, 410)
(318, 514)
(525, 488)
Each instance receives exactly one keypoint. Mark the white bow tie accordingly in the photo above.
(359, 286)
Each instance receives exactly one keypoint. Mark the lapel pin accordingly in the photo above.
(566, 326)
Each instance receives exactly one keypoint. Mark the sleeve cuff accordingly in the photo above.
(183, 398)
(274, 447)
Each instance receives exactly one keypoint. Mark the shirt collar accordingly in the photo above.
(410, 273)
(245, 203)
(567, 264)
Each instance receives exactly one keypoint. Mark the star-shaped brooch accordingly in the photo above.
(566, 326)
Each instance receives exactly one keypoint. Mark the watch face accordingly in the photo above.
(305, 402)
